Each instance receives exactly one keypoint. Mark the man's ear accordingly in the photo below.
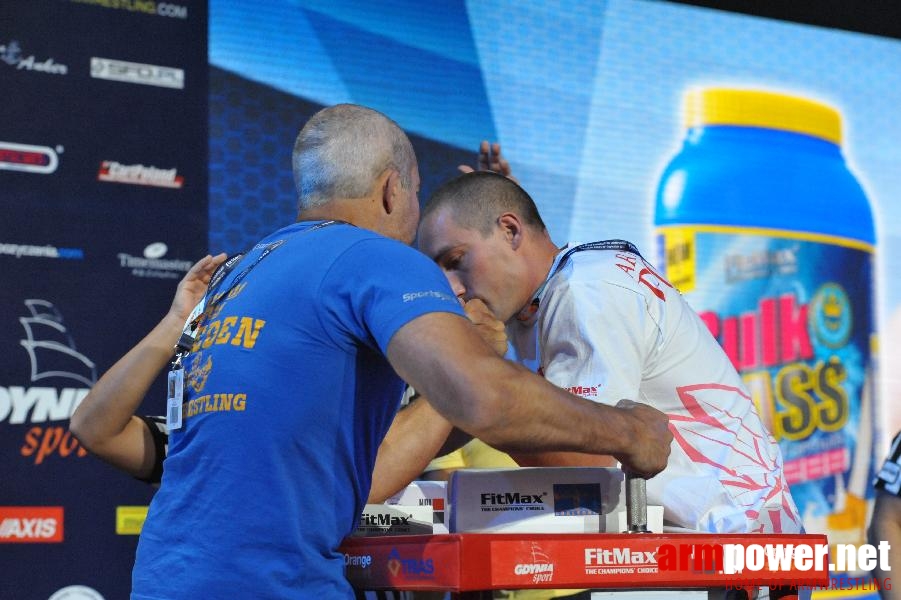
(512, 227)
(389, 189)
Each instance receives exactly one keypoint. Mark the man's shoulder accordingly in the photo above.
(611, 272)
(342, 239)
(370, 256)
(385, 253)
(356, 235)
(601, 266)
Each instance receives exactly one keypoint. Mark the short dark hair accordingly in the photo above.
(477, 199)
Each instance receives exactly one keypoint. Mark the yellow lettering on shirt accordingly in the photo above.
(248, 331)
(235, 291)
(212, 330)
(221, 331)
(225, 331)
(213, 403)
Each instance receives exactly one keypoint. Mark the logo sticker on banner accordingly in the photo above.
(138, 174)
(132, 72)
(51, 348)
(31, 524)
(28, 158)
(12, 54)
(76, 592)
(32, 251)
(130, 519)
(161, 9)
(153, 264)
(538, 569)
(52, 354)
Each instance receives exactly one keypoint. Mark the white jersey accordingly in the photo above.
(608, 327)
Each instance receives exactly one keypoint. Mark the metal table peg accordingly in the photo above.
(636, 504)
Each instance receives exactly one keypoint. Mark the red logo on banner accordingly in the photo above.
(31, 159)
(31, 524)
(394, 566)
(139, 174)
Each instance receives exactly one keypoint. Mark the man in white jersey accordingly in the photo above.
(885, 524)
(599, 321)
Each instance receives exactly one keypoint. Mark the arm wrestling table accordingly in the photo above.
(471, 563)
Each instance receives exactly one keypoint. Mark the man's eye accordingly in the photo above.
(452, 263)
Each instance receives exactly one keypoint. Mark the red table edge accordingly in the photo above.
(470, 555)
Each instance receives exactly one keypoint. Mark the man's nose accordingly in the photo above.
(456, 285)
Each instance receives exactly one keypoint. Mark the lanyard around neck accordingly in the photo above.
(617, 245)
(213, 296)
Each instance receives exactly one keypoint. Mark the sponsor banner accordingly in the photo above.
(536, 568)
(31, 524)
(18, 58)
(144, 7)
(138, 174)
(153, 263)
(52, 358)
(130, 519)
(45, 251)
(89, 261)
(28, 158)
(405, 564)
(140, 73)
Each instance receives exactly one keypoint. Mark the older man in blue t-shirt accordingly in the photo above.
(295, 375)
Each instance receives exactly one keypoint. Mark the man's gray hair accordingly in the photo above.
(341, 151)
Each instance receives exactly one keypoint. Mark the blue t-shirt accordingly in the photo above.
(288, 396)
